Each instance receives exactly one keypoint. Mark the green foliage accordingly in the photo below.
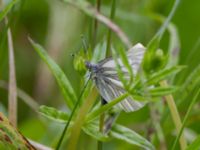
(63, 82)
(190, 84)
(172, 56)
(79, 63)
(130, 136)
(10, 137)
(7, 8)
(162, 74)
(53, 114)
(195, 144)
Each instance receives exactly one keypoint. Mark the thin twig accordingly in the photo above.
(12, 92)
(175, 116)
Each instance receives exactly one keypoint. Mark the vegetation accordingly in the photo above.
(46, 92)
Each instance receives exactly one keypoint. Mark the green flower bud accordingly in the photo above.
(154, 61)
(79, 64)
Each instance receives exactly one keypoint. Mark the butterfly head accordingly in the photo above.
(92, 67)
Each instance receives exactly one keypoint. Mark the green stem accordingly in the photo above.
(70, 117)
(175, 116)
(112, 14)
(185, 118)
(96, 25)
(101, 125)
(80, 119)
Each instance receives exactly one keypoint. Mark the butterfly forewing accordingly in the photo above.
(108, 83)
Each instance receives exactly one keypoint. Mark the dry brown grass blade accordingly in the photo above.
(12, 92)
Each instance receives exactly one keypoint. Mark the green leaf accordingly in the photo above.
(128, 135)
(92, 129)
(106, 107)
(54, 114)
(147, 63)
(160, 75)
(161, 91)
(153, 45)
(99, 52)
(195, 144)
(190, 83)
(118, 68)
(125, 61)
(63, 82)
(7, 8)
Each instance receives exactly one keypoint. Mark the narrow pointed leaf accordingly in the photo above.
(158, 76)
(93, 130)
(7, 8)
(54, 114)
(161, 91)
(130, 136)
(62, 80)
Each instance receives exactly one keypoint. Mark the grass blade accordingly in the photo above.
(22, 95)
(7, 8)
(186, 117)
(12, 85)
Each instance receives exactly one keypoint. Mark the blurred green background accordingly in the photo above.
(59, 27)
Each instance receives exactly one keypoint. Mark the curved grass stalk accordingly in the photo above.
(175, 115)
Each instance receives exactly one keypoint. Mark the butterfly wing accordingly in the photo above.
(135, 56)
(111, 89)
(108, 83)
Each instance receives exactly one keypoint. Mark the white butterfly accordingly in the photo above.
(107, 81)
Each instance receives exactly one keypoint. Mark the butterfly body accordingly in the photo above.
(106, 78)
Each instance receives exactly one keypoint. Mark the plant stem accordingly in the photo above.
(101, 125)
(112, 14)
(96, 25)
(175, 115)
(186, 117)
(80, 119)
(88, 9)
(70, 117)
